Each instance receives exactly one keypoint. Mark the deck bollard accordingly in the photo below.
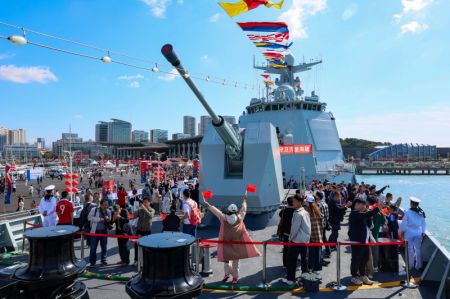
(82, 246)
(338, 286)
(265, 285)
(23, 235)
(408, 284)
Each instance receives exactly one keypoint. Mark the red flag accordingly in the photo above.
(251, 188)
(265, 76)
(207, 194)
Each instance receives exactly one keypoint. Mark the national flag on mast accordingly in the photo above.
(8, 185)
(264, 26)
(234, 9)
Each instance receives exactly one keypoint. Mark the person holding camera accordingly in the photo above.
(121, 220)
(99, 218)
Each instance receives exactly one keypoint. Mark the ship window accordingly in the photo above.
(274, 107)
(304, 106)
(297, 106)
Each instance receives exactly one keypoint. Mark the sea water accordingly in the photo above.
(434, 191)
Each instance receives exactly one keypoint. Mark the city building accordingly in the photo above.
(205, 120)
(177, 136)
(4, 137)
(71, 141)
(189, 125)
(139, 136)
(101, 132)
(230, 119)
(159, 136)
(405, 152)
(20, 152)
(119, 131)
(40, 143)
(17, 136)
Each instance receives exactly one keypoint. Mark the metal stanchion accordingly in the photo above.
(139, 259)
(265, 285)
(408, 284)
(82, 246)
(197, 255)
(23, 235)
(338, 286)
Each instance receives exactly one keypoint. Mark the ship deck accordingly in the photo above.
(388, 285)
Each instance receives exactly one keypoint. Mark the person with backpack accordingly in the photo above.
(192, 216)
(144, 222)
(232, 228)
(85, 225)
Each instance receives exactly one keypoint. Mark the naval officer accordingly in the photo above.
(413, 227)
(47, 206)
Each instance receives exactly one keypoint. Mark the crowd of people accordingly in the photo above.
(309, 218)
(314, 216)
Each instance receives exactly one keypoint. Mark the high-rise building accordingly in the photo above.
(189, 125)
(205, 120)
(67, 142)
(119, 131)
(158, 135)
(230, 119)
(101, 132)
(17, 136)
(40, 143)
(177, 136)
(4, 137)
(139, 136)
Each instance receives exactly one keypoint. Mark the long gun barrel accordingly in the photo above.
(223, 128)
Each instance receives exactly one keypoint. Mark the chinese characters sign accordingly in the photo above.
(295, 149)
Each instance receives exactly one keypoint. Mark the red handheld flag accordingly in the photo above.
(207, 194)
(251, 188)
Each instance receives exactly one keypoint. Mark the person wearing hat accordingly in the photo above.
(413, 227)
(47, 207)
(232, 228)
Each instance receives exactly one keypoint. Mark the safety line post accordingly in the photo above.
(23, 235)
(338, 287)
(408, 284)
(197, 255)
(82, 246)
(265, 285)
(139, 259)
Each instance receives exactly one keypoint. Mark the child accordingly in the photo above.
(172, 222)
(393, 222)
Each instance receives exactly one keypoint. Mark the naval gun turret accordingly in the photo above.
(231, 158)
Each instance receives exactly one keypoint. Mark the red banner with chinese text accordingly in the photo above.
(296, 149)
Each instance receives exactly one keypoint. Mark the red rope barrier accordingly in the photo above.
(373, 243)
(109, 236)
(301, 244)
(32, 224)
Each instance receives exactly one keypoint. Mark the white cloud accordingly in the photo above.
(214, 18)
(413, 27)
(411, 6)
(427, 126)
(350, 11)
(6, 56)
(129, 78)
(297, 14)
(134, 84)
(28, 74)
(205, 57)
(78, 116)
(159, 7)
(169, 76)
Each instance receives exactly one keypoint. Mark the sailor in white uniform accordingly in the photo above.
(47, 207)
(413, 227)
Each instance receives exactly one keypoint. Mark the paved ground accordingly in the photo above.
(250, 272)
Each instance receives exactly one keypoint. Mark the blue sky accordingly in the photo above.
(385, 74)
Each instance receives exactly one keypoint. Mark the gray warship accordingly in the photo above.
(282, 134)
(307, 133)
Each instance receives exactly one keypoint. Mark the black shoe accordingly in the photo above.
(325, 263)
(104, 263)
(327, 255)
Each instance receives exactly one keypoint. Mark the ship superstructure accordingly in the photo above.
(302, 123)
